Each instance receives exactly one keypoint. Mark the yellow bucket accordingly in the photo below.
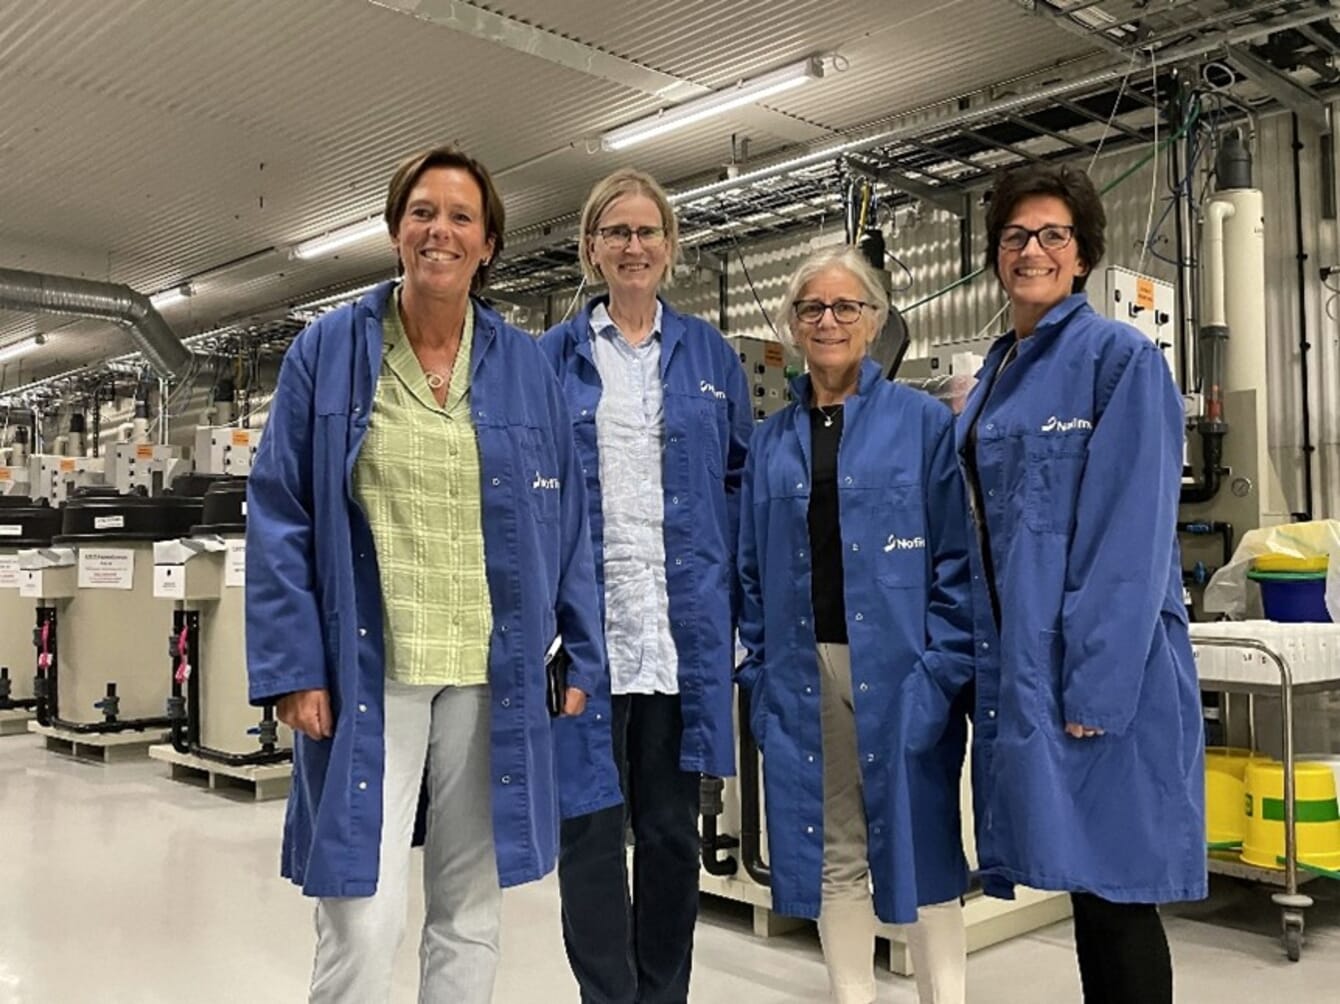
(1230, 760)
(1316, 815)
(1288, 563)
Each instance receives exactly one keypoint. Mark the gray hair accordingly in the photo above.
(843, 257)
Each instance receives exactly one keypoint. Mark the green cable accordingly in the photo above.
(1190, 121)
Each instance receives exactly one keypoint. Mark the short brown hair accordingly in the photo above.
(413, 168)
(626, 181)
(1069, 184)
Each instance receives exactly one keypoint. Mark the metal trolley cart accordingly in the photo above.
(1273, 660)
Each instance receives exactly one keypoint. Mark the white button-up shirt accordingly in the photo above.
(630, 436)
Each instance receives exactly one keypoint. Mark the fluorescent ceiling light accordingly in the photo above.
(743, 93)
(172, 297)
(20, 348)
(344, 236)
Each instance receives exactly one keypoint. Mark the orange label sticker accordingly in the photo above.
(772, 355)
(5, 474)
(144, 453)
(66, 466)
(241, 437)
(1144, 294)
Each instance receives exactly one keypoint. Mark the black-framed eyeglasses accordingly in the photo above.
(844, 311)
(1052, 237)
(620, 236)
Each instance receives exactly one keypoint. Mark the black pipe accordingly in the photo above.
(48, 692)
(1304, 346)
(1200, 528)
(8, 703)
(751, 805)
(1212, 456)
(710, 806)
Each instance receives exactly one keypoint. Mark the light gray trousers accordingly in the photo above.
(357, 937)
(937, 940)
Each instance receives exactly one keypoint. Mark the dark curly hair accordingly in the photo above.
(1069, 184)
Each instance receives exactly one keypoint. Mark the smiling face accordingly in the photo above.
(830, 348)
(441, 238)
(1034, 278)
(635, 270)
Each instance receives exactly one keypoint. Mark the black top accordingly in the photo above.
(826, 591)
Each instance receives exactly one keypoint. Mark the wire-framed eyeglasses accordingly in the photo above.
(844, 311)
(1052, 237)
(620, 236)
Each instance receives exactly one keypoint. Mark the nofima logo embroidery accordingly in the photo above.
(707, 388)
(1054, 424)
(897, 543)
(550, 484)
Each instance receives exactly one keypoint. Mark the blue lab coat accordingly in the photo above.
(1080, 464)
(909, 623)
(708, 421)
(314, 598)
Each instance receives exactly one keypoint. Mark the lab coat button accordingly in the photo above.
(809, 829)
(864, 687)
(362, 709)
(860, 617)
(495, 482)
(856, 547)
(506, 702)
(506, 779)
(986, 646)
(810, 758)
(803, 622)
(362, 632)
(870, 758)
(846, 480)
(800, 554)
(991, 493)
(674, 500)
(991, 713)
(362, 786)
(809, 690)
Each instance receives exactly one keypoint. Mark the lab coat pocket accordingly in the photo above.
(1051, 494)
(712, 423)
(1047, 681)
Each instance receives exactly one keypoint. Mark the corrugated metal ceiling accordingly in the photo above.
(148, 141)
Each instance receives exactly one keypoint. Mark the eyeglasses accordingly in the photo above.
(619, 237)
(844, 311)
(1052, 237)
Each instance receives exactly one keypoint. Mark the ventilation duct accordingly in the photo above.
(57, 294)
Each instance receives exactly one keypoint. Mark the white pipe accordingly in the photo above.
(1212, 254)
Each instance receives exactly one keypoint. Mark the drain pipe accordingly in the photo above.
(35, 292)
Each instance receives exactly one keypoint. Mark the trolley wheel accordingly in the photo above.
(1293, 935)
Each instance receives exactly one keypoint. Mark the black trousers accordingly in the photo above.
(1123, 952)
(635, 951)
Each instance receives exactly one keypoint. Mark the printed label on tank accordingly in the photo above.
(144, 453)
(30, 585)
(235, 565)
(66, 466)
(170, 582)
(109, 522)
(6, 474)
(10, 576)
(241, 437)
(106, 568)
(11, 530)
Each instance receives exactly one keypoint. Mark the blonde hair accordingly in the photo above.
(842, 257)
(625, 181)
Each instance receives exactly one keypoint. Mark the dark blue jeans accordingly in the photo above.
(635, 951)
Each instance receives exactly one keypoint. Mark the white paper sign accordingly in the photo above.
(170, 582)
(235, 568)
(11, 530)
(30, 585)
(106, 568)
(10, 576)
(109, 522)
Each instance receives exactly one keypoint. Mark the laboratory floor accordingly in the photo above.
(119, 885)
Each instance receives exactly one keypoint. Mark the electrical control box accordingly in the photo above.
(144, 466)
(1147, 304)
(54, 477)
(764, 362)
(225, 450)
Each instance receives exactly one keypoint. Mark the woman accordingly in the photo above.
(858, 638)
(1087, 749)
(661, 416)
(416, 535)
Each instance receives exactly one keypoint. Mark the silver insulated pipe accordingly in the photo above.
(35, 292)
